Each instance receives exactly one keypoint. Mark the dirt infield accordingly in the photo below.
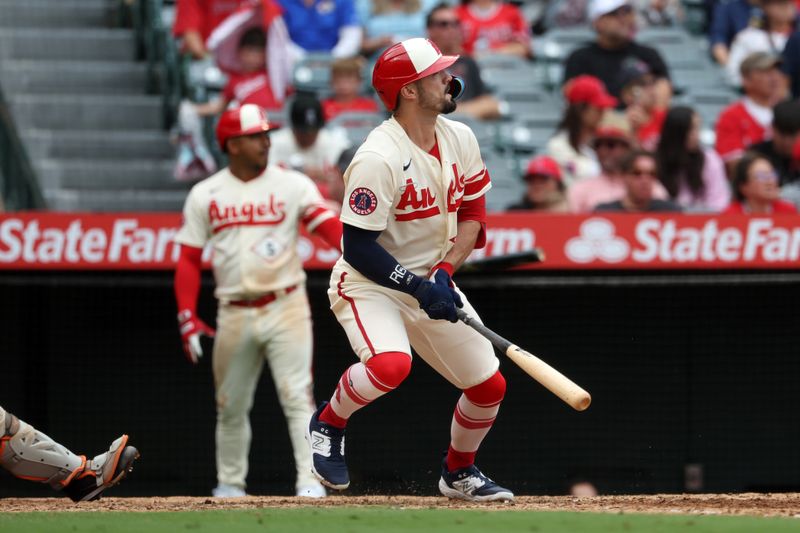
(717, 504)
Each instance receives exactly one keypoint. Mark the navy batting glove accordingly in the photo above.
(437, 300)
(441, 277)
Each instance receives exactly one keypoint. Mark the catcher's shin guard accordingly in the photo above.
(30, 454)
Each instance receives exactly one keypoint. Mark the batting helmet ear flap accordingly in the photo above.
(456, 87)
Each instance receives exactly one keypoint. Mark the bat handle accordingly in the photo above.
(497, 341)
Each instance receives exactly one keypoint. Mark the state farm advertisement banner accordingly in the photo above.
(67, 241)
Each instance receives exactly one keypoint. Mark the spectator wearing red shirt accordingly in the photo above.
(755, 185)
(638, 96)
(196, 19)
(748, 121)
(346, 82)
(493, 26)
(251, 85)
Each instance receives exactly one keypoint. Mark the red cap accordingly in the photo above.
(588, 90)
(544, 166)
(405, 62)
(245, 120)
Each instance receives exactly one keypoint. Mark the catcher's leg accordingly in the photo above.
(30, 454)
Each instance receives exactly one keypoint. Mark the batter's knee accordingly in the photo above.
(490, 392)
(390, 368)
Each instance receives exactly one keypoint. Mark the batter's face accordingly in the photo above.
(250, 150)
(433, 93)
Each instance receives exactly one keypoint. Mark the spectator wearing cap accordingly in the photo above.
(729, 17)
(655, 13)
(307, 146)
(347, 83)
(756, 188)
(494, 27)
(444, 29)
(748, 121)
(545, 191)
(639, 175)
(612, 142)
(693, 176)
(783, 149)
(615, 24)
(587, 101)
(638, 97)
(770, 35)
(322, 26)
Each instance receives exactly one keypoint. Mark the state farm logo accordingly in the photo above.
(597, 240)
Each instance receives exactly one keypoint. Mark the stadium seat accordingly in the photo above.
(313, 74)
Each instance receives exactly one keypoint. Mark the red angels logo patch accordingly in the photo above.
(363, 201)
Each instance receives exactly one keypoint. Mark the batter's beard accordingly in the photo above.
(448, 107)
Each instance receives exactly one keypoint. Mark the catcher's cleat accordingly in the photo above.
(470, 484)
(327, 452)
(103, 472)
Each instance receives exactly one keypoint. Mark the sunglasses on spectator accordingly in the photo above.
(446, 23)
(620, 11)
(610, 144)
(766, 175)
(644, 172)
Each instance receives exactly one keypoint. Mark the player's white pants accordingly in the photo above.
(279, 333)
(378, 320)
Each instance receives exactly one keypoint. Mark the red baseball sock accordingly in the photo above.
(364, 383)
(473, 417)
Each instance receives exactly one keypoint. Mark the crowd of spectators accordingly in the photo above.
(622, 142)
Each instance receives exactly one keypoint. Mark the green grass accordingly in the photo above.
(383, 520)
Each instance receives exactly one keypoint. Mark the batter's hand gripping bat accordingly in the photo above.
(552, 379)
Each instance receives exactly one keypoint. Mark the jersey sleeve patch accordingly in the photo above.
(363, 201)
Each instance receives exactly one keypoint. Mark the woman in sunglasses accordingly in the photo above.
(693, 176)
(756, 189)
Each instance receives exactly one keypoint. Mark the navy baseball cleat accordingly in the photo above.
(327, 452)
(470, 484)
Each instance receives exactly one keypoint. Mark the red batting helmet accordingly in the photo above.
(245, 120)
(409, 61)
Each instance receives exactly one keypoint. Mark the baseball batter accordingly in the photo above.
(30, 454)
(251, 213)
(414, 209)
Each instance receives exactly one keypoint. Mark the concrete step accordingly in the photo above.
(67, 43)
(62, 77)
(87, 112)
(128, 200)
(109, 174)
(98, 144)
(55, 13)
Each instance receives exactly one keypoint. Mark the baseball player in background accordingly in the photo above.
(251, 213)
(413, 211)
(30, 454)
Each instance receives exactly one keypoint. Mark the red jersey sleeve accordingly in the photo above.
(188, 16)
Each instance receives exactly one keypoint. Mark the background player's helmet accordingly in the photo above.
(245, 120)
(409, 61)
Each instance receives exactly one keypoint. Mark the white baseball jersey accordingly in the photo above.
(253, 228)
(396, 187)
(323, 154)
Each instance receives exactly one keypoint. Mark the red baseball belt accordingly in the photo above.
(265, 299)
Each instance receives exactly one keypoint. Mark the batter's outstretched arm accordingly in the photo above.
(363, 253)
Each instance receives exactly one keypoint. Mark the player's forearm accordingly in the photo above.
(193, 43)
(468, 232)
(187, 278)
(331, 232)
(372, 260)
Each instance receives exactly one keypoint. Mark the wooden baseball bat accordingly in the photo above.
(503, 262)
(552, 379)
